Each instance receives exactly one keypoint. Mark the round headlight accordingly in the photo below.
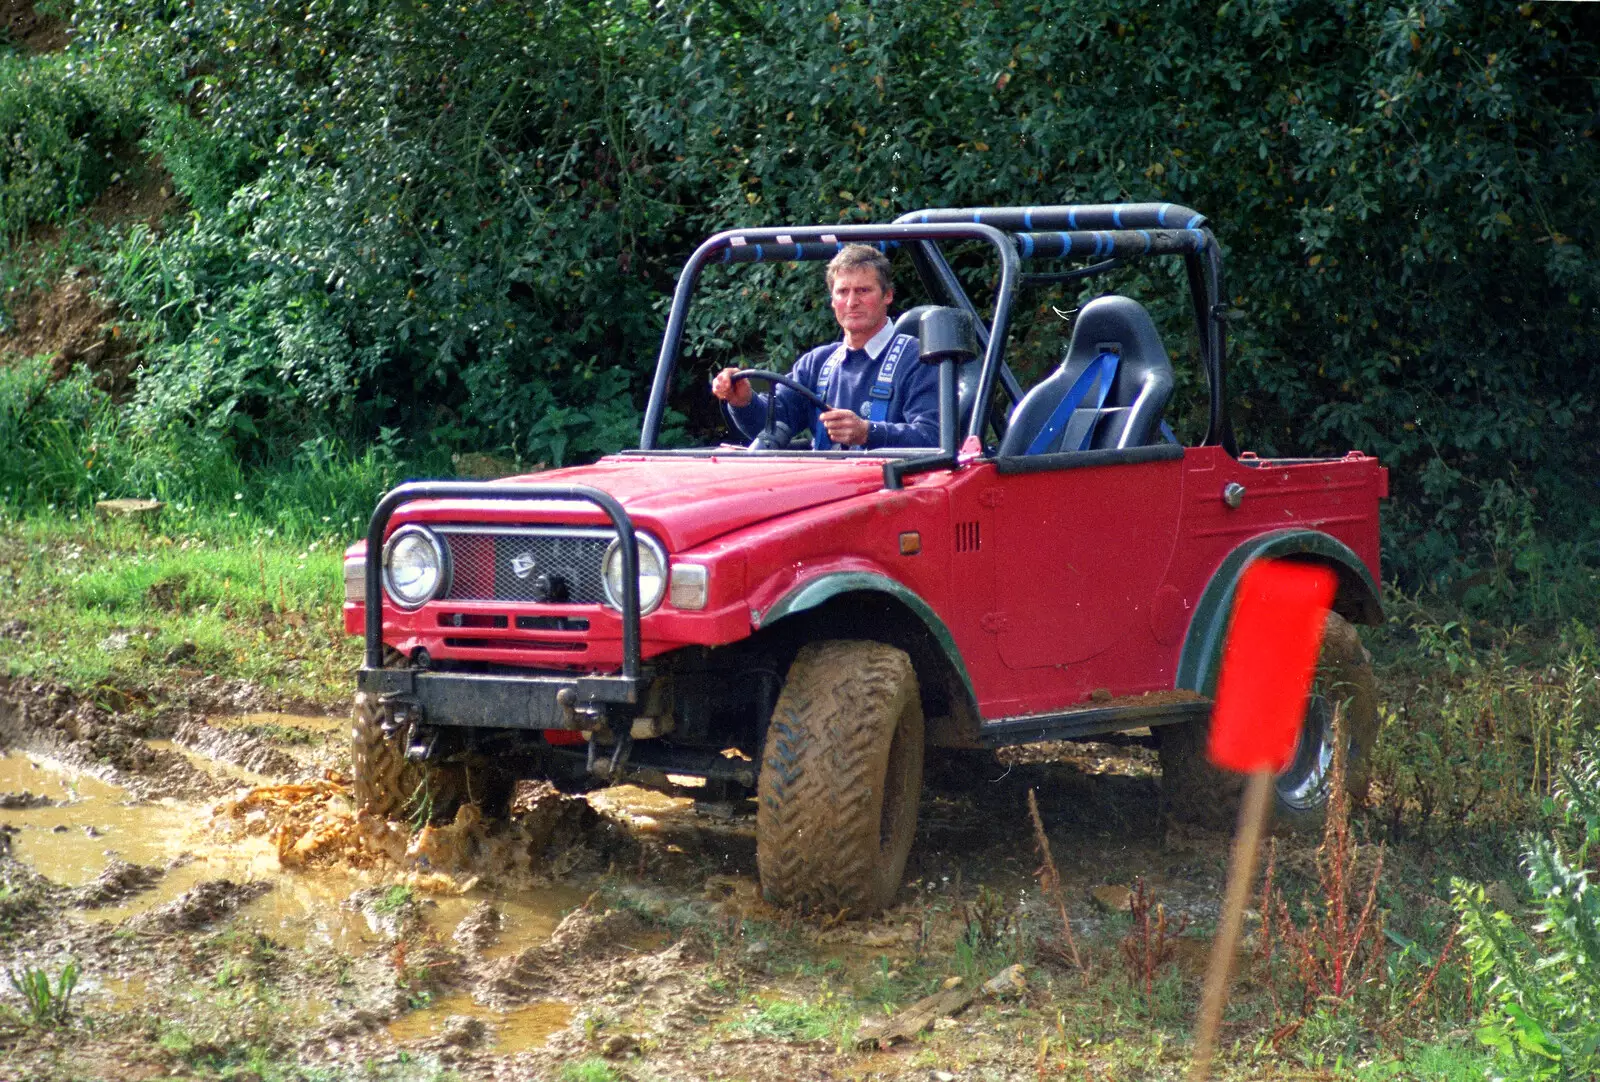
(415, 566)
(652, 574)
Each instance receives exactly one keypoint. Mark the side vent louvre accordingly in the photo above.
(968, 539)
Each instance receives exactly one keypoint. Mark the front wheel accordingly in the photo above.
(841, 777)
(387, 784)
(1197, 792)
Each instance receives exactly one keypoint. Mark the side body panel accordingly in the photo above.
(1089, 580)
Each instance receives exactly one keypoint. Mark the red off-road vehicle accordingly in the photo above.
(805, 623)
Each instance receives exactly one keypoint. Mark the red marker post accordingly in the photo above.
(1279, 612)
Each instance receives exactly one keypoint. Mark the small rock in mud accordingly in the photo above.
(463, 1031)
(393, 912)
(24, 800)
(204, 904)
(1112, 898)
(479, 928)
(118, 881)
(6, 831)
(618, 1044)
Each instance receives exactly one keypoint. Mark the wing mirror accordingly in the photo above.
(947, 334)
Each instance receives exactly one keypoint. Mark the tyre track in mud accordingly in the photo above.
(648, 966)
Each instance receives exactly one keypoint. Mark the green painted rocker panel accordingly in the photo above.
(1202, 646)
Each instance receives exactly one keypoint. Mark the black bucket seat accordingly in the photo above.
(1130, 413)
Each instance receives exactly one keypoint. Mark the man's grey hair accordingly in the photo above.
(852, 256)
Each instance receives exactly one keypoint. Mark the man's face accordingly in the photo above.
(860, 304)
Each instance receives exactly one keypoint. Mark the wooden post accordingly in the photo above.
(1225, 947)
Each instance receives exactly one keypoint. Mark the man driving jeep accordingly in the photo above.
(878, 393)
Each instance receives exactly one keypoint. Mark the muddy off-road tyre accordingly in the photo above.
(389, 785)
(841, 776)
(1194, 791)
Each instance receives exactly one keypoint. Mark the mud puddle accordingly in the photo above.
(76, 830)
(461, 1020)
(77, 822)
(221, 883)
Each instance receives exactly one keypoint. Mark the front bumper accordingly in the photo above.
(550, 701)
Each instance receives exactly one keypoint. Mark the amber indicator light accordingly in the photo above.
(910, 543)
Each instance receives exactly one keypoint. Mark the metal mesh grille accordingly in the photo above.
(531, 566)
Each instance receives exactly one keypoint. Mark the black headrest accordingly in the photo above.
(1122, 323)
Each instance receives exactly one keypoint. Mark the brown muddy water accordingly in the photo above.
(214, 881)
(507, 1032)
(69, 826)
(88, 822)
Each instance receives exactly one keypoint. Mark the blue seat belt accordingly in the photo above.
(819, 434)
(883, 386)
(1105, 367)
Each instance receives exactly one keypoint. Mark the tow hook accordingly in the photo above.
(424, 740)
(396, 718)
(612, 768)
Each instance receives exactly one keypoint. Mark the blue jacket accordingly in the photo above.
(913, 415)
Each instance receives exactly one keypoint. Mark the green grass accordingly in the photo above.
(48, 1000)
(592, 1069)
(825, 1017)
(394, 899)
(121, 609)
(1440, 1062)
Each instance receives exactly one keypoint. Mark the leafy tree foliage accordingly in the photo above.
(463, 218)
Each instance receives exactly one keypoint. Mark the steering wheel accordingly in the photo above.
(768, 435)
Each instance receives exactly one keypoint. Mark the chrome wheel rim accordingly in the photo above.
(1303, 784)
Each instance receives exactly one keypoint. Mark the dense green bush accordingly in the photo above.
(58, 133)
(403, 220)
(61, 436)
(1543, 984)
(462, 221)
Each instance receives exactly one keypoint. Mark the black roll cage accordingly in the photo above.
(1110, 234)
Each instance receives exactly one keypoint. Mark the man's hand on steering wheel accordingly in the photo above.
(845, 427)
(730, 381)
(734, 392)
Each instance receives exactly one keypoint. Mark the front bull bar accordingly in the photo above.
(483, 701)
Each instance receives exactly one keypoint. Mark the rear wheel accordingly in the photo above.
(841, 777)
(387, 784)
(1197, 792)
